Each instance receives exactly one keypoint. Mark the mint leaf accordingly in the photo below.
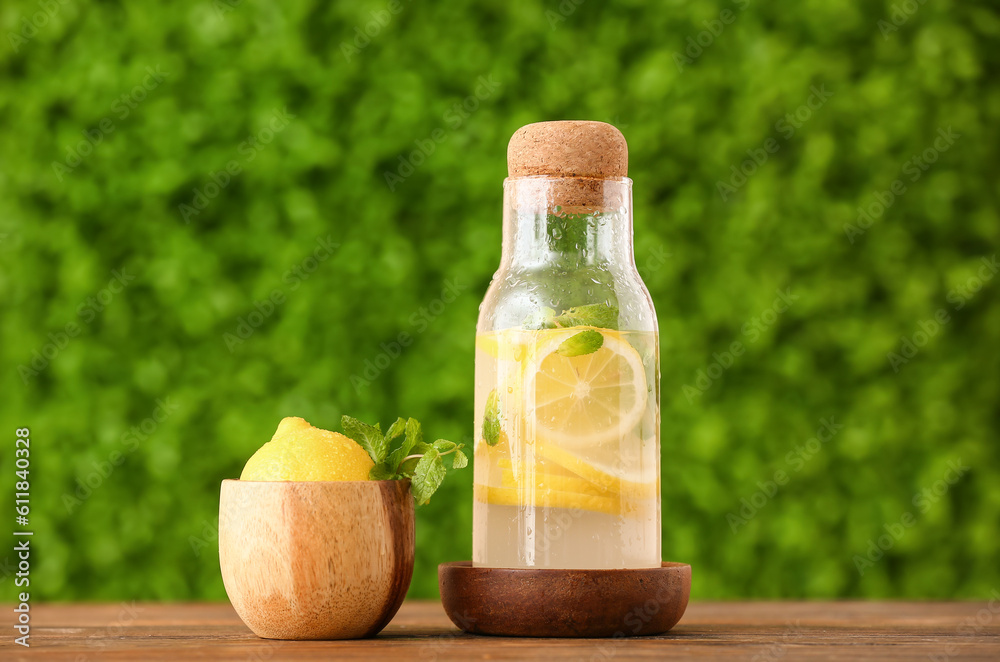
(369, 437)
(491, 419)
(412, 429)
(585, 342)
(543, 318)
(566, 232)
(444, 446)
(413, 433)
(427, 476)
(601, 315)
(418, 449)
(380, 472)
(460, 460)
(395, 430)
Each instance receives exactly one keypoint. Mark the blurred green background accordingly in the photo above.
(118, 216)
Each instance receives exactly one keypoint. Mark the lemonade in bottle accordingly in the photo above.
(567, 460)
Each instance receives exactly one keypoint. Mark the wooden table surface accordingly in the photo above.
(760, 631)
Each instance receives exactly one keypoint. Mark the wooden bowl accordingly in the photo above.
(529, 602)
(316, 560)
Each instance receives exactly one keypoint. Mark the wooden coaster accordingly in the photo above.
(529, 602)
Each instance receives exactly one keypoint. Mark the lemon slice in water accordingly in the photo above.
(615, 477)
(577, 402)
(543, 481)
(548, 498)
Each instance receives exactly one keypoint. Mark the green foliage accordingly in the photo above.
(311, 283)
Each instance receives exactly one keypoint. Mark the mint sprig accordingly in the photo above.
(411, 458)
(585, 342)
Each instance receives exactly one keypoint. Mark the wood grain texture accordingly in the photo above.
(758, 631)
(316, 560)
(564, 603)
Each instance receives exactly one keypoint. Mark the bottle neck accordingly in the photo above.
(567, 223)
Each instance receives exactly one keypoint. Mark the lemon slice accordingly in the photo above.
(509, 496)
(543, 481)
(505, 345)
(540, 465)
(624, 480)
(584, 401)
(489, 343)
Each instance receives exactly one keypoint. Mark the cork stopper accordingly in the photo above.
(568, 149)
(587, 158)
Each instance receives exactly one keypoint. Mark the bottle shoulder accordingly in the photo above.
(517, 296)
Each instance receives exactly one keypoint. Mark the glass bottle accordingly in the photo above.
(567, 461)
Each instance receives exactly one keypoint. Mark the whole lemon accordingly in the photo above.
(299, 451)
